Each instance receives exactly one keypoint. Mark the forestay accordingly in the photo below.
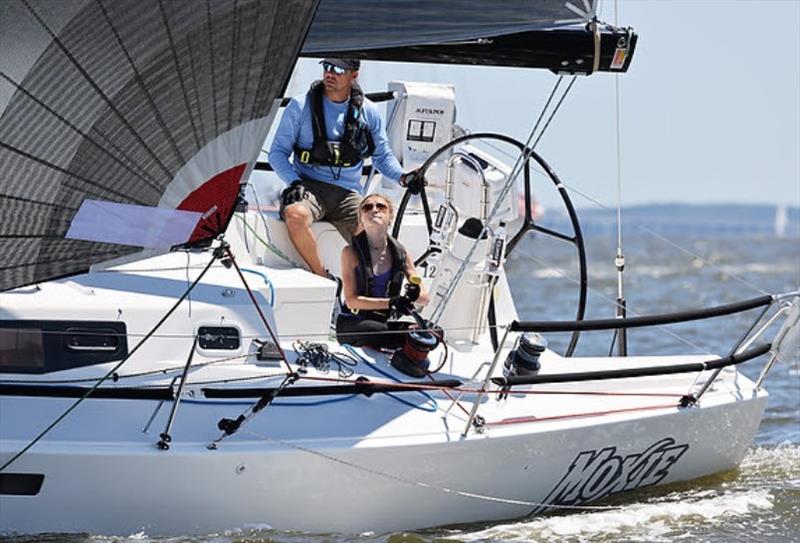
(139, 102)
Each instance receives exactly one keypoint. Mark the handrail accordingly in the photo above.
(638, 322)
(649, 371)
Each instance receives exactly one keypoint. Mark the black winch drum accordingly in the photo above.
(412, 359)
(524, 358)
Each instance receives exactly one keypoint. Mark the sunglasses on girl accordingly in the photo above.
(328, 67)
(380, 206)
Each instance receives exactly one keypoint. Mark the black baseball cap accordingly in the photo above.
(346, 63)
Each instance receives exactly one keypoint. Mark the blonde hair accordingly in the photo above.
(382, 197)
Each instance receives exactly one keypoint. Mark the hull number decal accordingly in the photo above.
(594, 474)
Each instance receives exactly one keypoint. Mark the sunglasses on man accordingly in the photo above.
(338, 70)
(380, 206)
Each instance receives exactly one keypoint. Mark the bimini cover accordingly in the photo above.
(112, 108)
(560, 35)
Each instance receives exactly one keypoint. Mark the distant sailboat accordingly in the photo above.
(781, 220)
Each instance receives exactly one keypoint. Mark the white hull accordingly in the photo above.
(349, 463)
(392, 478)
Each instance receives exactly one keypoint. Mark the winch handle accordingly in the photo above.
(421, 322)
(413, 288)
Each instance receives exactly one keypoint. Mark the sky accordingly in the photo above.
(709, 109)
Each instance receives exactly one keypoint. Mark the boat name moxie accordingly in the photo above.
(594, 474)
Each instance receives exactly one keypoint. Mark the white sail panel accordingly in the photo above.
(126, 224)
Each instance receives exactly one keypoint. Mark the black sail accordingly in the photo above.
(558, 35)
(132, 102)
(132, 111)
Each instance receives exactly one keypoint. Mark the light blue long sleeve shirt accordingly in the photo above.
(295, 129)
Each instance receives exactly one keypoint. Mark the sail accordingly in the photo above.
(128, 117)
(559, 35)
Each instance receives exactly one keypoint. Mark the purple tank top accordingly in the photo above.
(379, 284)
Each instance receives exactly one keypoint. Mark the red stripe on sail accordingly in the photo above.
(215, 199)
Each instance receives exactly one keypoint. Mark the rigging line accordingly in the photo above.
(620, 254)
(599, 294)
(555, 110)
(534, 166)
(97, 89)
(619, 170)
(138, 78)
(519, 156)
(422, 484)
(129, 166)
(671, 243)
(258, 309)
(111, 372)
(95, 184)
(216, 129)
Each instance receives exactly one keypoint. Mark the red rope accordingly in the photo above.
(587, 393)
(520, 420)
(379, 382)
(496, 391)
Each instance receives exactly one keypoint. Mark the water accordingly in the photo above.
(758, 502)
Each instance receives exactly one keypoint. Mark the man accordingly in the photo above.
(329, 131)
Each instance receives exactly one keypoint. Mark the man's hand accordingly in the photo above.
(413, 181)
(293, 193)
(400, 305)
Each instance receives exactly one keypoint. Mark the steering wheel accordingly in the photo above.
(528, 224)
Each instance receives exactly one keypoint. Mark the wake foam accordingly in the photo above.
(655, 521)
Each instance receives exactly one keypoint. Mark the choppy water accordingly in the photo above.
(758, 502)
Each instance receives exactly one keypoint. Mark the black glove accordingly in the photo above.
(413, 181)
(400, 305)
(412, 292)
(293, 193)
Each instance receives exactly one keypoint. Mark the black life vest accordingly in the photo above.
(365, 275)
(356, 143)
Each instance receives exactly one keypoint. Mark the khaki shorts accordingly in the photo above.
(337, 205)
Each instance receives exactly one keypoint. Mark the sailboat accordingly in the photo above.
(167, 367)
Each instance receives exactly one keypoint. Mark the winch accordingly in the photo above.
(524, 357)
(412, 358)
